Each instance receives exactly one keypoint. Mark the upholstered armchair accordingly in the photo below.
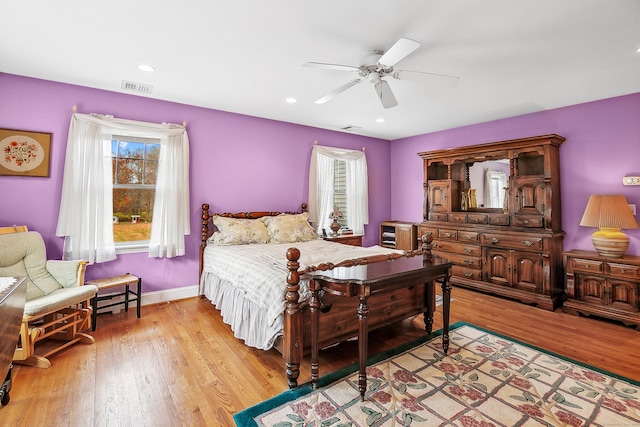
(58, 309)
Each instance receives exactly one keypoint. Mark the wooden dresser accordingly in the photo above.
(494, 210)
(601, 286)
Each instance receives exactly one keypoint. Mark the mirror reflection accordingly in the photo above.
(489, 180)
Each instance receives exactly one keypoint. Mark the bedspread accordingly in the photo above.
(258, 273)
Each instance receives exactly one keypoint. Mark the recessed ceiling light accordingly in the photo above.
(145, 67)
(291, 100)
(380, 120)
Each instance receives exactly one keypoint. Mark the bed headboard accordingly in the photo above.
(208, 228)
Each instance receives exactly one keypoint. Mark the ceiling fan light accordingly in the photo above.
(145, 67)
(374, 77)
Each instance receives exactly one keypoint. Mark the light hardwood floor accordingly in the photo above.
(179, 365)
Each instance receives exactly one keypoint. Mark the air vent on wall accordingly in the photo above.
(351, 127)
(136, 87)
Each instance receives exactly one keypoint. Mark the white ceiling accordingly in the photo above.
(245, 56)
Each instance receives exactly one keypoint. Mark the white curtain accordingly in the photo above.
(321, 176)
(86, 207)
(171, 209)
(494, 182)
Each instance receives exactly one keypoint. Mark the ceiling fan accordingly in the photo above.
(375, 66)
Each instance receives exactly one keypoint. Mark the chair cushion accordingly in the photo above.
(59, 299)
(24, 254)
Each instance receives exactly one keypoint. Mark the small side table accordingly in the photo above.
(112, 282)
(374, 278)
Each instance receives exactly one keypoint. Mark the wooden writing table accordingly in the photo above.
(13, 292)
(366, 280)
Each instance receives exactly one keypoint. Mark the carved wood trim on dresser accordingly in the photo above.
(514, 249)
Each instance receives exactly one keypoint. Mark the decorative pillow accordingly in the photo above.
(289, 228)
(238, 231)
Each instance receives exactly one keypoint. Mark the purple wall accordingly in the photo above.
(241, 163)
(238, 163)
(602, 146)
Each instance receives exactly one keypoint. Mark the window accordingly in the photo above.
(134, 173)
(340, 190)
(338, 179)
(146, 169)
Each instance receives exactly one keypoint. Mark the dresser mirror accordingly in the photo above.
(488, 180)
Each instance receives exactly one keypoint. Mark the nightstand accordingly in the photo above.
(603, 286)
(347, 239)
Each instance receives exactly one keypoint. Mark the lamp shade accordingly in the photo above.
(609, 213)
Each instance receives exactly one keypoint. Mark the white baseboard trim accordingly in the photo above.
(156, 297)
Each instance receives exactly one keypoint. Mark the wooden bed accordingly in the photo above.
(338, 314)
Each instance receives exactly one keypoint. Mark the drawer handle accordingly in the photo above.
(622, 270)
(468, 261)
(469, 250)
(466, 237)
(528, 243)
(467, 274)
(447, 235)
(494, 240)
(588, 266)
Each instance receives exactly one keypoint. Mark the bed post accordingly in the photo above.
(427, 239)
(204, 235)
(292, 348)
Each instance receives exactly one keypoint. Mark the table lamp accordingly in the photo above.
(610, 213)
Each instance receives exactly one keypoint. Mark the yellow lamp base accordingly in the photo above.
(610, 242)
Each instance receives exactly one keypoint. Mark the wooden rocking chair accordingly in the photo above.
(58, 305)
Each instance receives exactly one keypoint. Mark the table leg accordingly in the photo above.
(314, 311)
(363, 343)
(430, 303)
(446, 307)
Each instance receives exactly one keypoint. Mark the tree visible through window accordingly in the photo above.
(134, 171)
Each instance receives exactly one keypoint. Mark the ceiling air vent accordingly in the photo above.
(136, 87)
(351, 127)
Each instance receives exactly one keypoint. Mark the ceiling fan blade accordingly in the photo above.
(386, 96)
(447, 80)
(330, 66)
(337, 91)
(398, 51)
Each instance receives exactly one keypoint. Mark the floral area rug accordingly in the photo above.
(485, 380)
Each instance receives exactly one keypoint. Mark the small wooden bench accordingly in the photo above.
(112, 282)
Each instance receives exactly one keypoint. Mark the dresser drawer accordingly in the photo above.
(458, 248)
(528, 221)
(465, 261)
(435, 216)
(624, 270)
(587, 265)
(422, 230)
(477, 218)
(466, 272)
(499, 219)
(458, 217)
(514, 242)
(468, 236)
(447, 234)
